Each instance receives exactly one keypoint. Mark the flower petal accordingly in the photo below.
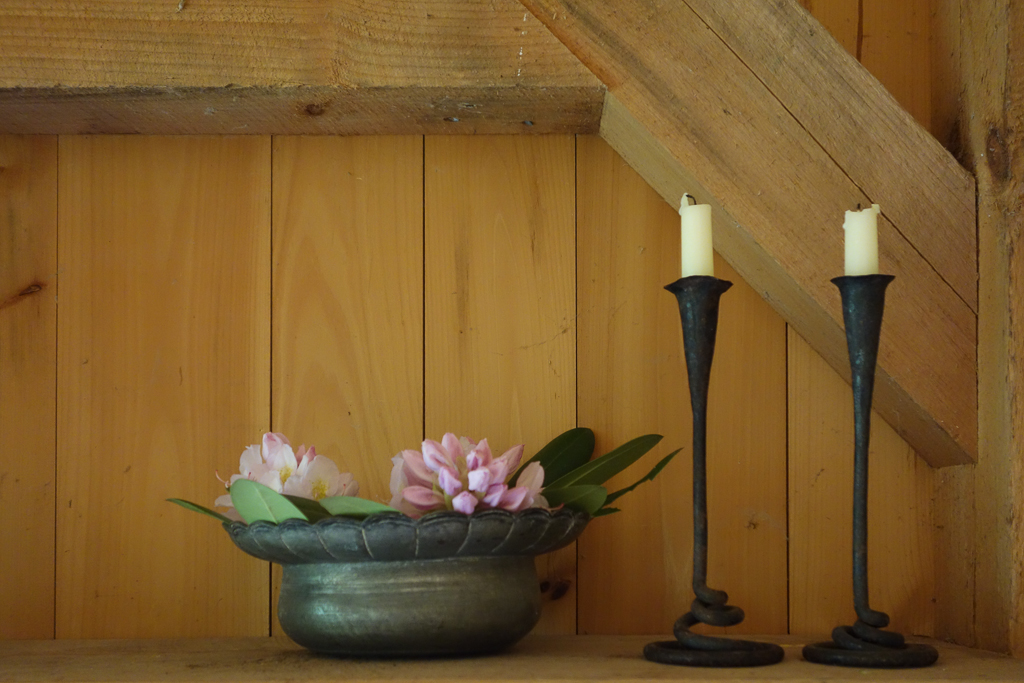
(423, 497)
(415, 469)
(532, 477)
(511, 457)
(494, 494)
(435, 457)
(273, 441)
(448, 479)
(465, 503)
(514, 500)
(347, 485)
(251, 459)
(399, 481)
(479, 479)
(452, 446)
(484, 451)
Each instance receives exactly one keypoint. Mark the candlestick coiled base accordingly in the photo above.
(867, 646)
(693, 649)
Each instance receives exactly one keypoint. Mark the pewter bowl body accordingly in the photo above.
(444, 584)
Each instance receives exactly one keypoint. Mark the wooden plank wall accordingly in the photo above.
(362, 293)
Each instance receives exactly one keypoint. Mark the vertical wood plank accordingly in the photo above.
(348, 301)
(841, 18)
(635, 566)
(500, 306)
(900, 489)
(945, 66)
(163, 377)
(28, 383)
(895, 48)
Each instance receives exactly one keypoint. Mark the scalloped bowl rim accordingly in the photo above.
(393, 536)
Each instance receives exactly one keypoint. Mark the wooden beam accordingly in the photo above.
(982, 513)
(725, 116)
(219, 67)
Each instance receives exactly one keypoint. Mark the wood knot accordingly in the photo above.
(559, 588)
(997, 154)
(315, 109)
(28, 291)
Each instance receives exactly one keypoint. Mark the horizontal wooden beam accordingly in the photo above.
(750, 128)
(412, 66)
(320, 110)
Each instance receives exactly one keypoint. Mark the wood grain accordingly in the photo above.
(991, 120)
(163, 378)
(348, 301)
(611, 659)
(944, 66)
(28, 383)
(221, 67)
(921, 188)
(841, 18)
(896, 49)
(303, 110)
(784, 195)
(500, 312)
(635, 566)
(900, 489)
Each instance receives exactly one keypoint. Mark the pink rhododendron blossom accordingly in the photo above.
(458, 474)
(276, 465)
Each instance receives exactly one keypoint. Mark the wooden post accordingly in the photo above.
(981, 544)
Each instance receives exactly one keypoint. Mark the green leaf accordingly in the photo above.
(350, 506)
(309, 507)
(256, 502)
(588, 498)
(600, 470)
(562, 455)
(195, 507)
(605, 511)
(655, 471)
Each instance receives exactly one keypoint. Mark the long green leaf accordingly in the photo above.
(350, 506)
(655, 471)
(195, 507)
(600, 470)
(309, 507)
(564, 453)
(605, 511)
(256, 502)
(588, 498)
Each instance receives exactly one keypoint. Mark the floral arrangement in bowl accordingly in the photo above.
(447, 566)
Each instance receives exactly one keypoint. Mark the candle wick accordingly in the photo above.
(858, 206)
(687, 197)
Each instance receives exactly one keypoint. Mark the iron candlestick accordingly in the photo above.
(698, 297)
(865, 644)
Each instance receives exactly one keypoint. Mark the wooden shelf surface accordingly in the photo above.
(537, 658)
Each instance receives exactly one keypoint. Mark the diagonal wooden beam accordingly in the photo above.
(754, 109)
(226, 67)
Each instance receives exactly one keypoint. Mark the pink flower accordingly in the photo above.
(274, 464)
(458, 474)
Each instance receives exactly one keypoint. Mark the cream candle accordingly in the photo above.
(862, 241)
(695, 238)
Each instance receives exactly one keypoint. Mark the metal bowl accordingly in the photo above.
(388, 585)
